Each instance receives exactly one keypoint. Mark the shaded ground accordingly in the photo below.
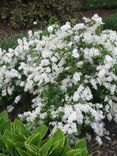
(109, 146)
(6, 30)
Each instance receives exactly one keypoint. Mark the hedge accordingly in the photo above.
(23, 14)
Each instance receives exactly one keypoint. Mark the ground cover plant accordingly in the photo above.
(18, 139)
(65, 77)
(11, 42)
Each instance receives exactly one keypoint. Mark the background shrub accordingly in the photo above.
(99, 4)
(111, 22)
(22, 13)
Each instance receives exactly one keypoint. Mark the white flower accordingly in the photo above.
(10, 108)
(54, 59)
(98, 139)
(30, 33)
(79, 26)
(50, 29)
(17, 99)
(72, 117)
(75, 53)
(35, 23)
(76, 96)
(102, 73)
(76, 77)
(66, 27)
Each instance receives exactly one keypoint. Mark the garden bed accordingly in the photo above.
(53, 99)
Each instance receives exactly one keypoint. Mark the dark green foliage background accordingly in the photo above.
(110, 22)
(22, 13)
(99, 4)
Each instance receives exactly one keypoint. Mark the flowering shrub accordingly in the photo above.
(67, 74)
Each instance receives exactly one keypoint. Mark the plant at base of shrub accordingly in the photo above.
(17, 139)
(11, 42)
(111, 22)
(67, 74)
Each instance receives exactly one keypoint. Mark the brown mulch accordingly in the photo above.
(109, 146)
(6, 30)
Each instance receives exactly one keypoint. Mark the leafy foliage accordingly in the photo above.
(23, 13)
(111, 22)
(18, 139)
(11, 42)
(64, 77)
(99, 4)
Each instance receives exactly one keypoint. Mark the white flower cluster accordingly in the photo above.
(69, 75)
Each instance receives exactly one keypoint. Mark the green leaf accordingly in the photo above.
(3, 154)
(58, 135)
(35, 139)
(22, 152)
(8, 133)
(84, 152)
(81, 144)
(4, 116)
(2, 142)
(57, 148)
(19, 127)
(4, 126)
(75, 152)
(42, 130)
(31, 149)
(9, 143)
(46, 147)
(19, 137)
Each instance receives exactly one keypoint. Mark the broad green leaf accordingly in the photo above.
(84, 152)
(2, 142)
(75, 152)
(31, 149)
(19, 127)
(9, 143)
(42, 130)
(20, 145)
(4, 126)
(22, 152)
(45, 148)
(8, 134)
(81, 144)
(19, 137)
(4, 116)
(58, 135)
(35, 139)
(57, 148)
(3, 154)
